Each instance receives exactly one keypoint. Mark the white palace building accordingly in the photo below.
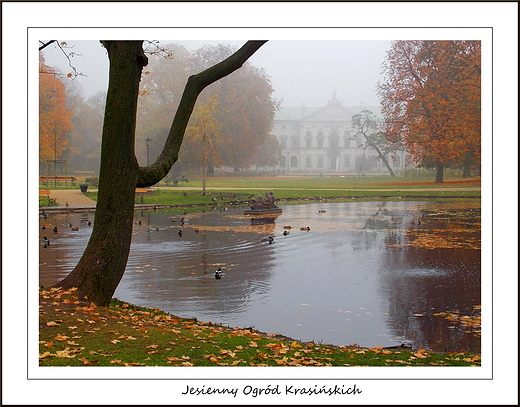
(318, 140)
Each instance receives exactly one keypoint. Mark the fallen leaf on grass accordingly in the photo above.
(61, 337)
(87, 361)
(421, 354)
(66, 353)
(398, 361)
(228, 353)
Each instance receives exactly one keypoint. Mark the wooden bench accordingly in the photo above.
(47, 197)
(143, 191)
(58, 180)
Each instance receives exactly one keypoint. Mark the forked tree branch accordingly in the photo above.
(151, 175)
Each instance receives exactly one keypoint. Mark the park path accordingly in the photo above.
(74, 198)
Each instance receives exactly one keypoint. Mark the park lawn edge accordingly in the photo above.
(74, 332)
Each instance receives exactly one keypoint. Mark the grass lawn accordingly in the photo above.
(74, 333)
(289, 189)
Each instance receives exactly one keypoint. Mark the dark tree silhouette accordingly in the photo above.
(103, 263)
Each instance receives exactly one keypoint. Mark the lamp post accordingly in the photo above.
(148, 140)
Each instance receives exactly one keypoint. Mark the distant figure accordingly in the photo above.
(218, 274)
(46, 242)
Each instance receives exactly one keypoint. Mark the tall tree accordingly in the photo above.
(54, 117)
(365, 124)
(103, 262)
(205, 137)
(431, 99)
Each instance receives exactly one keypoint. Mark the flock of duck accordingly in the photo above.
(47, 242)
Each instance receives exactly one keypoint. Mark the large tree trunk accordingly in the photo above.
(439, 178)
(103, 263)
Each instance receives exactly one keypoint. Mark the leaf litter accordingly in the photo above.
(82, 334)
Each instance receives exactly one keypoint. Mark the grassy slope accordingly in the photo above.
(74, 333)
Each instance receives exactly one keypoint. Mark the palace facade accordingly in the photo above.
(320, 140)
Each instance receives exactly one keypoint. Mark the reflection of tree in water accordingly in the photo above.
(431, 265)
(419, 283)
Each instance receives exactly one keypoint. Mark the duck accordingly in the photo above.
(138, 223)
(306, 229)
(89, 223)
(322, 211)
(46, 242)
(218, 274)
(55, 229)
(44, 227)
(287, 227)
(285, 232)
(75, 228)
(179, 232)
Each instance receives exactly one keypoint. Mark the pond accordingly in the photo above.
(373, 273)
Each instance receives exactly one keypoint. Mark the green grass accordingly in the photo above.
(74, 333)
(295, 189)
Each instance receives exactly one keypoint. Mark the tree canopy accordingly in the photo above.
(245, 109)
(431, 100)
(54, 117)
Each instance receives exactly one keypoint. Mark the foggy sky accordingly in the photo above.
(305, 71)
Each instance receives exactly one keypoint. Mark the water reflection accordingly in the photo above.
(372, 273)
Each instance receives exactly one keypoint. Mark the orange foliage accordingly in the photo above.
(54, 117)
(431, 98)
